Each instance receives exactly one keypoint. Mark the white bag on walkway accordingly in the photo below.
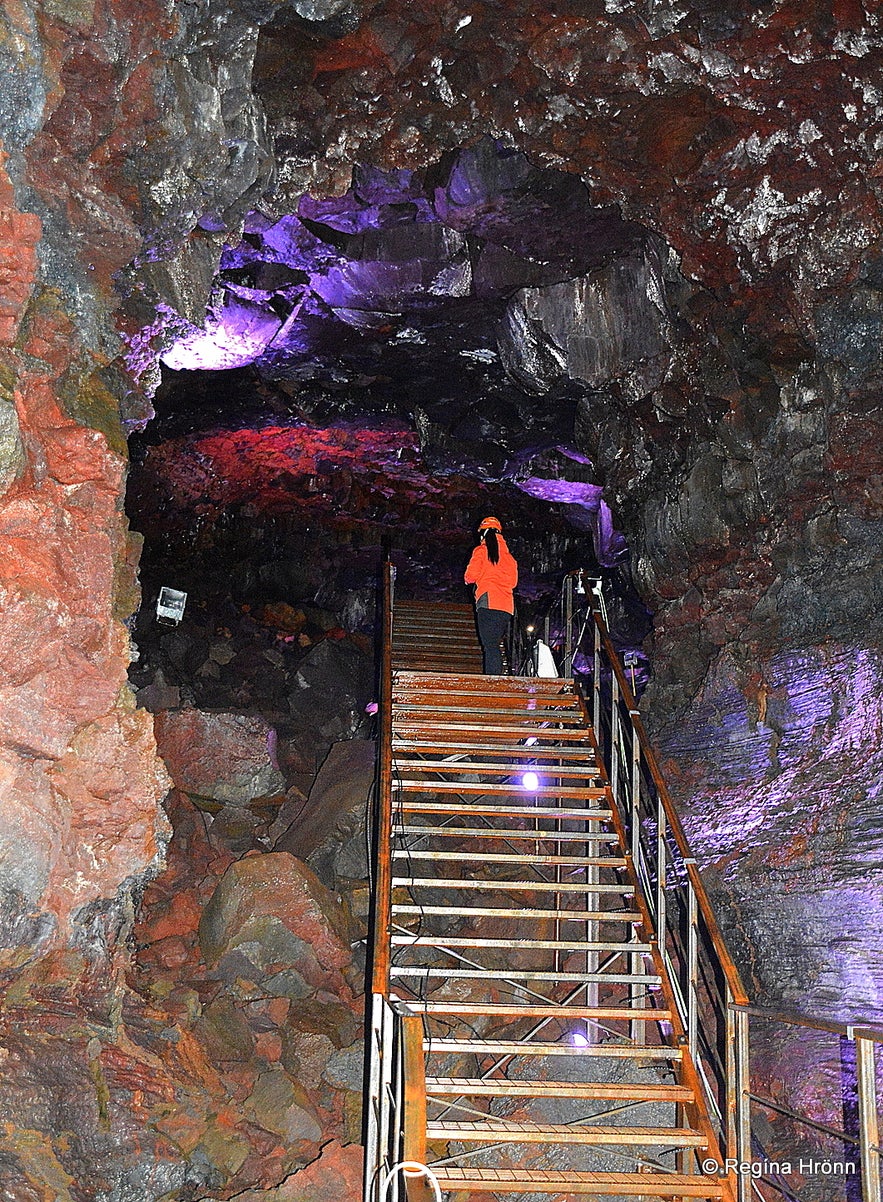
(545, 660)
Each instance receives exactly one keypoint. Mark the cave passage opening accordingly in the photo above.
(380, 370)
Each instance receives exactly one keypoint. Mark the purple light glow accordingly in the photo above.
(763, 764)
(610, 545)
(530, 781)
(235, 337)
(578, 1039)
(569, 492)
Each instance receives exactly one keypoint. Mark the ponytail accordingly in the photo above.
(493, 547)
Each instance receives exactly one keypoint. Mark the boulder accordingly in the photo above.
(332, 685)
(282, 1106)
(335, 1177)
(270, 919)
(228, 757)
(336, 801)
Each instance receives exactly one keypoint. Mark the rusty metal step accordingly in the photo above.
(494, 1130)
(406, 806)
(506, 789)
(495, 832)
(583, 753)
(535, 1010)
(558, 945)
(503, 857)
(486, 1087)
(537, 684)
(566, 1182)
(518, 730)
(510, 912)
(569, 714)
(425, 971)
(520, 1047)
(480, 768)
(510, 886)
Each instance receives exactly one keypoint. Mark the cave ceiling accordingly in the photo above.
(526, 257)
(401, 355)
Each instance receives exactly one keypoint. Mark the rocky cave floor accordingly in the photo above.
(225, 1050)
(403, 262)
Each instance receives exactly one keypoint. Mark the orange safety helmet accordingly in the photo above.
(491, 524)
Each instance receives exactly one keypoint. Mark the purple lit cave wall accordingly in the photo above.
(286, 282)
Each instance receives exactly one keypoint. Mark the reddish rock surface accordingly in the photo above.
(334, 1177)
(749, 485)
(186, 1076)
(80, 778)
(228, 757)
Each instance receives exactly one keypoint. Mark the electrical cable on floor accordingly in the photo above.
(411, 1168)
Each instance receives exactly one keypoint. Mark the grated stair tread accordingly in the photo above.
(518, 1047)
(511, 1131)
(486, 1087)
(563, 1181)
(571, 813)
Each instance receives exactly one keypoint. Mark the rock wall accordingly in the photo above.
(744, 465)
(130, 145)
(80, 777)
(129, 138)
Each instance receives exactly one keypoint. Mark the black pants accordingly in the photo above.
(492, 627)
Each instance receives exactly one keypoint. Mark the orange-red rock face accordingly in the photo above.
(79, 776)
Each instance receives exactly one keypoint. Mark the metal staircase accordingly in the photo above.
(554, 1013)
(433, 637)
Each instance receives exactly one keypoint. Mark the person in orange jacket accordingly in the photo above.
(494, 573)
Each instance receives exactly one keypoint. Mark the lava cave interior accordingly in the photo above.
(359, 384)
(287, 284)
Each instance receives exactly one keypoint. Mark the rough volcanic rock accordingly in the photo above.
(744, 468)
(328, 828)
(228, 757)
(608, 326)
(334, 1177)
(333, 683)
(271, 919)
(80, 779)
(177, 1080)
(794, 854)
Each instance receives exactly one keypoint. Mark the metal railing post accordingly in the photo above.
(869, 1138)
(596, 682)
(692, 969)
(383, 805)
(634, 811)
(661, 879)
(373, 1136)
(568, 626)
(615, 740)
(741, 1087)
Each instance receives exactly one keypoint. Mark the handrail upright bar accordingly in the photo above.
(383, 812)
(869, 1134)
(661, 915)
(596, 681)
(692, 971)
(741, 1086)
(568, 626)
(673, 821)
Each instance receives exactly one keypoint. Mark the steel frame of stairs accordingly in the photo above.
(616, 939)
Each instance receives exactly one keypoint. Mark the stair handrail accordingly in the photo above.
(382, 826)
(863, 1035)
(384, 1059)
(740, 996)
(627, 748)
(705, 980)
